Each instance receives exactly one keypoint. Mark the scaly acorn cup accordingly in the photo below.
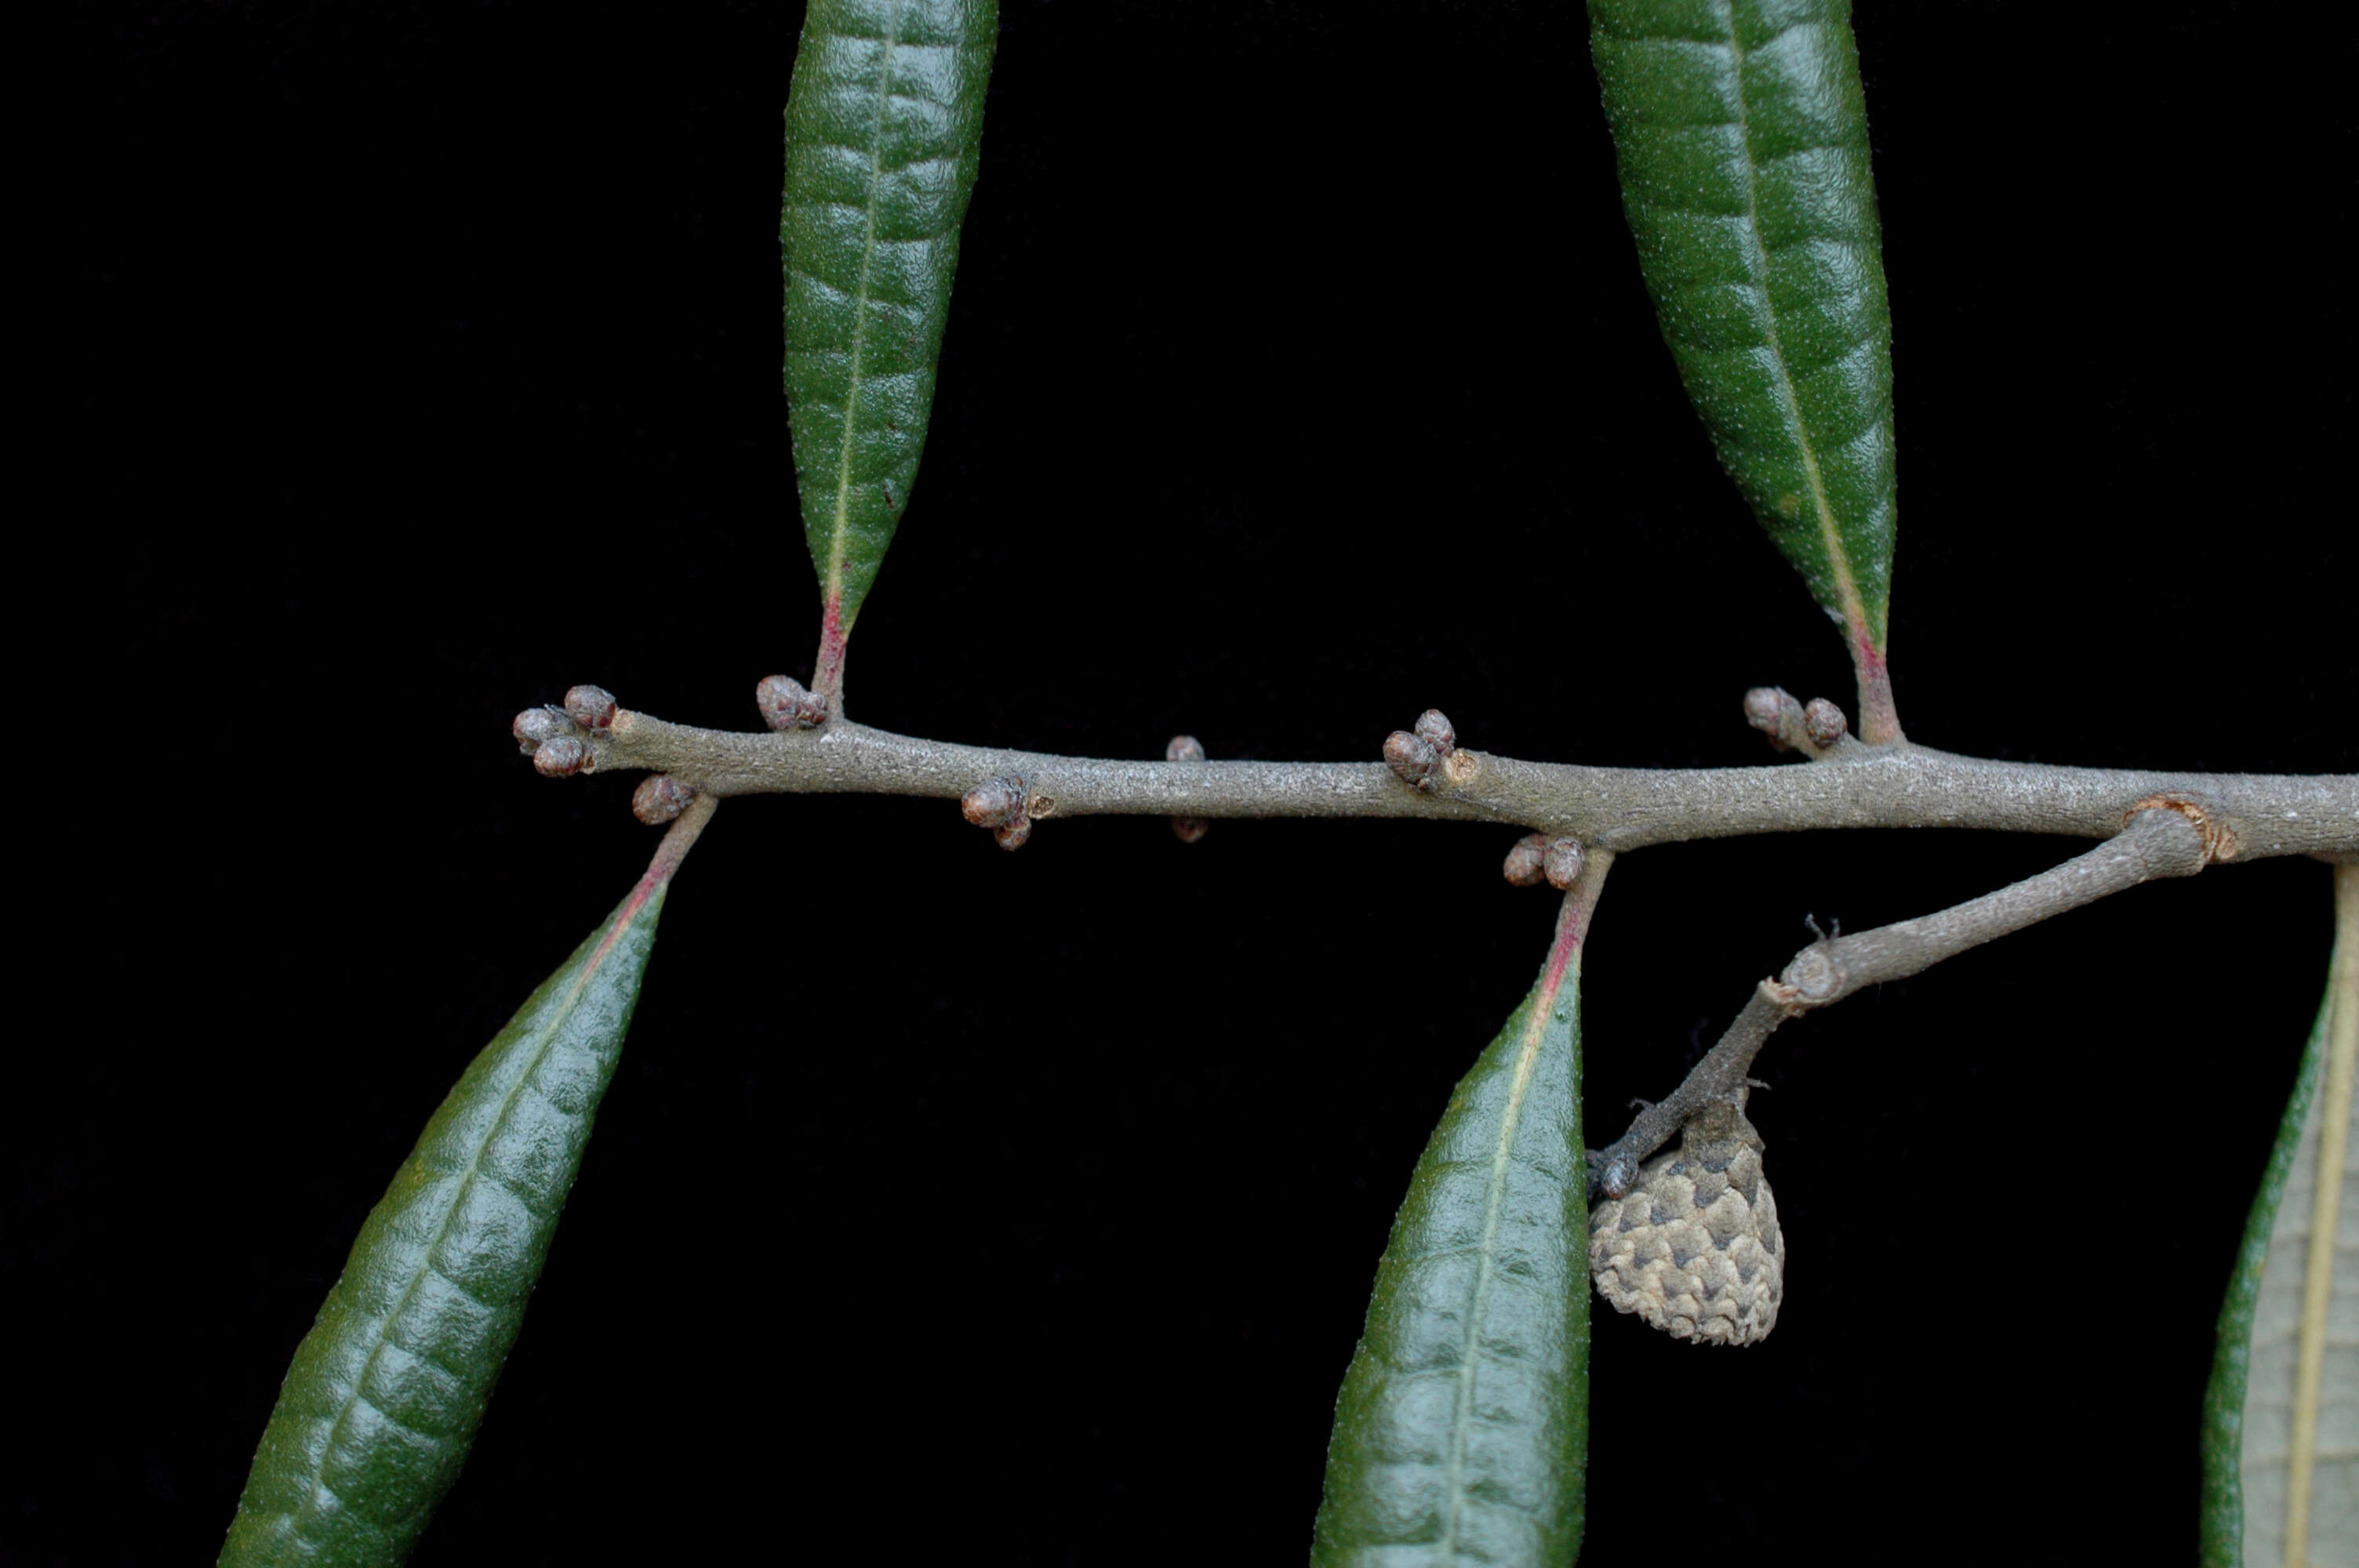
(379, 1410)
(1694, 1248)
(883, 132)
(1740, 129)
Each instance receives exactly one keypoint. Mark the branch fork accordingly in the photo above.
(2159, 840)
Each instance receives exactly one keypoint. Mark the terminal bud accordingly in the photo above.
(537, 727)
(591, 707)
(561, 756)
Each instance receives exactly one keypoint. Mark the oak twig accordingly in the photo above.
(1896, 785)
(2161, 840)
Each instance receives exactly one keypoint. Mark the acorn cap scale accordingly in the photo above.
(1694, 1248)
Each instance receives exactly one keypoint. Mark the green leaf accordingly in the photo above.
(883, 128)
(1742, 135)
(2281, 1413)
(2225, 1399)
(380, 1407)
(1463, 1427)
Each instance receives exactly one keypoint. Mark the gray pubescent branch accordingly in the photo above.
(1902, 785)
(2158, 842)
(2157, 824)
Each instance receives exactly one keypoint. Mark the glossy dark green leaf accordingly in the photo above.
(1742, 134)
(2252, 1406)
(380, 1407)
(883, 128)
(1462, 1428)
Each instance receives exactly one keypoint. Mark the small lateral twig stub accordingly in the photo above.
(2158, 842)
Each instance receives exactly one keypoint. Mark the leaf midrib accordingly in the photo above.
(1758, 258)
(842, 525)
(1462, 1416)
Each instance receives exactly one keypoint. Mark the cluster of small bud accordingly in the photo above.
(558, 740)
(555, 738)
(1428, 755)
(1187, 749)
(1538, 859)
(1527, 864)
(1003, 805)
(785, 704)
(1791, 726)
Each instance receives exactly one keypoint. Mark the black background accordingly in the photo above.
(422, 360)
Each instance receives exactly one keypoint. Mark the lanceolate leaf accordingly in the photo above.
(2281, 1415)
(883, 131)
(1463, 1427)
(381, 1404)
(1742, 135)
